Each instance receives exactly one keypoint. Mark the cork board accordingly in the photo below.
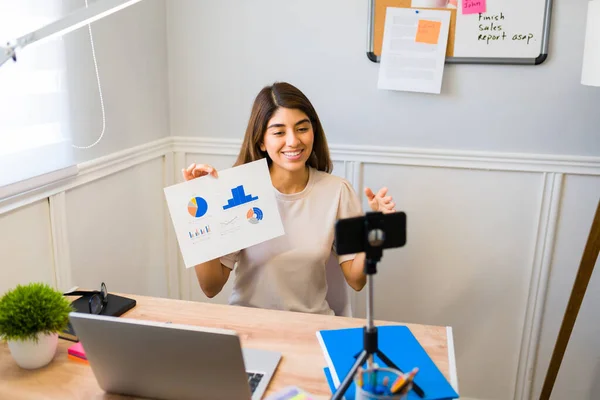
(379, 23)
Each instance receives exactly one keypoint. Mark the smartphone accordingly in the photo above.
(351, 233)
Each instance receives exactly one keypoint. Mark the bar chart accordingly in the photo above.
(238, 198)
(199, 232)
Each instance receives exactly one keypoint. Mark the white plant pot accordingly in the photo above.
(31, 355)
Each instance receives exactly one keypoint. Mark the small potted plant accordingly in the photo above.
(31, 316)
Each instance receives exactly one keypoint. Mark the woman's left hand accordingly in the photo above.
(379, 201)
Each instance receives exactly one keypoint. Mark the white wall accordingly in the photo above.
(131, 54)
(26, 246)
(467, 263)
(109, 224)
(116, 231)
(579, 376)
(222, 52)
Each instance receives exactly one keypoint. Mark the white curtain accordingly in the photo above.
(34, 133)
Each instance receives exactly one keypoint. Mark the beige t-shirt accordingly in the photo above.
(288, 273)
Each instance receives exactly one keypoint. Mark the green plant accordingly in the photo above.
(30, 309)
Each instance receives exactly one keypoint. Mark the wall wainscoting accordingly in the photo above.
(550, 170)
(429, 183)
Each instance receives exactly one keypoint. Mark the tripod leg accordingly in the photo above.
(387, 361)
(390, 364)
(339, 393)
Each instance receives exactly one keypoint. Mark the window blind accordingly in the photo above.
(35, 145)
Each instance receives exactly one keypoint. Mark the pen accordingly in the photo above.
(374, 378)
(370, 381)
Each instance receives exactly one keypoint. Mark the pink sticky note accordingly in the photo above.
(473, 6)
(77, 351)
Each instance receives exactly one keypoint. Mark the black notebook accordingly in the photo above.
(116, 306)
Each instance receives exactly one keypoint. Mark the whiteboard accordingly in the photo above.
(509, 32)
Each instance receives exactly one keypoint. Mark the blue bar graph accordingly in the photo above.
(239, 197)
(199, 232)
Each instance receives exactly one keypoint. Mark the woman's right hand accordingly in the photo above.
(198, 170)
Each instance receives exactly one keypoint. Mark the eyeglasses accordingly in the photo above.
(98, 299)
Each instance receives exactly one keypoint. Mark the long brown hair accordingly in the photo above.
(268, 100)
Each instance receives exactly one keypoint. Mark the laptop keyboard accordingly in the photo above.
(254, 380)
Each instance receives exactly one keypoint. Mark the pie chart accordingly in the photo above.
(197, 207)
(254, 215)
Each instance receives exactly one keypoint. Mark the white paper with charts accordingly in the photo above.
(213, 217)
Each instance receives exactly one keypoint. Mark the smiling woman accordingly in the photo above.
(290, 272)
(276, 110)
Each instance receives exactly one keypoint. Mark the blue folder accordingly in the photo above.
(340, 346)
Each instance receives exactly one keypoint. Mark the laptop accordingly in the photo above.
(160, 360)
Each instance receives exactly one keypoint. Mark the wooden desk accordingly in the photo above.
(292, 334)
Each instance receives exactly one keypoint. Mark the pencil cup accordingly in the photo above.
(371, 386)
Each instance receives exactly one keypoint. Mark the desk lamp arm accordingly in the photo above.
(74, 20)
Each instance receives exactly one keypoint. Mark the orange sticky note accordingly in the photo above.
(428, 31)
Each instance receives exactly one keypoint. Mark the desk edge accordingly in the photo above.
(452, 359)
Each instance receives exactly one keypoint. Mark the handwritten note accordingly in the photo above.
(492, 30)
(428, 31)
(473, 6)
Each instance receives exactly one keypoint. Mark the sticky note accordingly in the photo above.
(77, 351)
(473, 6)
(428, 31)
(291, 393)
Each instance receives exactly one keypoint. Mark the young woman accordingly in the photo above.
(288, 272)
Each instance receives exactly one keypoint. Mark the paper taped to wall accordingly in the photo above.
(213, 217)
(413, 53)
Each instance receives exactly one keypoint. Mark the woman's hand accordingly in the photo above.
(198, 170)
(379, 201)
